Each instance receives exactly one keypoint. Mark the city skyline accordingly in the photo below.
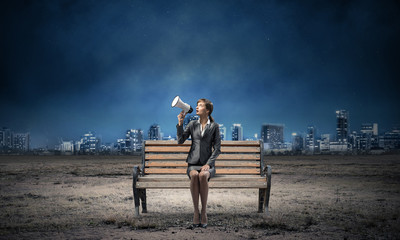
(245, 135)
(346, 141)
(336, 135)
(73, 67)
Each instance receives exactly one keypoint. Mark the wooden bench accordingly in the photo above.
(240, 165)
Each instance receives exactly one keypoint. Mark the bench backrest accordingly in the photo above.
(237, 157)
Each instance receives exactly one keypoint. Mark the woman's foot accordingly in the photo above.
(196, 218)
(203, 225)
(203, 219)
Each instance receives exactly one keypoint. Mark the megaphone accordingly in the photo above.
(177, 102)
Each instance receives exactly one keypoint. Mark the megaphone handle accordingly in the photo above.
(181, 117)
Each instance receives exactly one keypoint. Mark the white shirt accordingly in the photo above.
(201, 126)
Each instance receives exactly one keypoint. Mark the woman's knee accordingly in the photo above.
(203, 176)
(194, 174)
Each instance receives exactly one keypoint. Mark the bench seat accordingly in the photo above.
(219, 181)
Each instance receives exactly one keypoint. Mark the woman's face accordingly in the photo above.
(201, 109)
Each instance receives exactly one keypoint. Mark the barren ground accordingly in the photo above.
(90, 197)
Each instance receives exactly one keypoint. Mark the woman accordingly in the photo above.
(205, 148)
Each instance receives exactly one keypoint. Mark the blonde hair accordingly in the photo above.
(209, 107)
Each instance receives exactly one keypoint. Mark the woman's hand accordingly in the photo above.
(181, 117)
(205, 167)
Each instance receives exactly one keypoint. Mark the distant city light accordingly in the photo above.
(367, 140)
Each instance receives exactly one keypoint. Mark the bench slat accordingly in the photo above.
(218, 177)
(186, 149)
(217, 164)
(188, 143)
(183, 171)
(222, 156)
(211, 184)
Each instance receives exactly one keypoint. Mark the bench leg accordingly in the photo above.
(142, 195)
(264, 194)
(261, 199)
(137, 201)
(136, 191)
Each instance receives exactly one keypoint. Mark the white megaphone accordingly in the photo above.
(177, 102)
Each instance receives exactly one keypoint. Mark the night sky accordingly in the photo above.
(69, 67)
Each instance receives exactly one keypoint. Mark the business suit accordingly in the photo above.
(204, 149)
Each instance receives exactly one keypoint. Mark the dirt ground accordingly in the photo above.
(90, 197)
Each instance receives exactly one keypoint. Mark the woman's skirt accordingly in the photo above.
(198, 168)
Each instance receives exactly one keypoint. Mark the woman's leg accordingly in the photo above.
(194, 189)
(203, 177)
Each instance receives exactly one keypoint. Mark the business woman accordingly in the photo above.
(205, 148)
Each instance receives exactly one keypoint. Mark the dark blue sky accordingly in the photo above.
(68, 67)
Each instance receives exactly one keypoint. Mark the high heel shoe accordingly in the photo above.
(203, 225)
(195, 225)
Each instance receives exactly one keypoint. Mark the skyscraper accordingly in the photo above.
(342, 133)
(272, 135)
(366, 128)
(133, 140)
(369, 128)
(119, 146)
(90, 144)
(324, 144)
(21, 142)
(222, 132)
(342, 126)
(6, 140)
(237, 132)
(66, 147)
(375, 129)
(297, 143)
(391, 138)
(310, 139)
(155, 132)
(2, 133)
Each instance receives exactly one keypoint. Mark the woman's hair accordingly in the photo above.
(209, 107)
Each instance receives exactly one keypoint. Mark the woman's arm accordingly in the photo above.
(216, 146)
(181, 134)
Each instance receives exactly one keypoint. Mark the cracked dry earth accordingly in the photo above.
(90, 197)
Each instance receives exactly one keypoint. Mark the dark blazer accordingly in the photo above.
(204, 150)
